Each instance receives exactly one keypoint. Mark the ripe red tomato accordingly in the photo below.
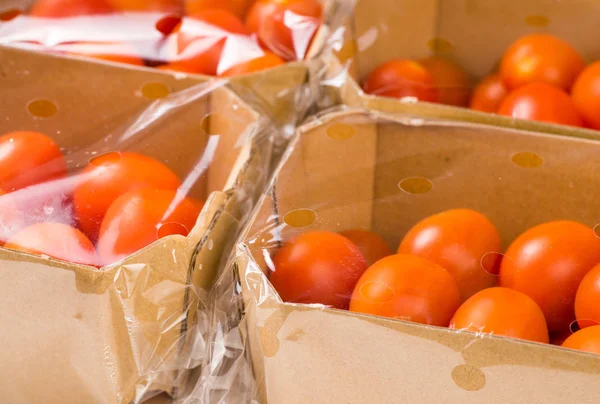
(28, 158)
(56, 240)
(237, 7)
(401, 78)
(502, 311)
(318, 267)
(409, 288)
(111, 175)
(11, 217)
(372, 246)
(165, 6)
(112, 52)
(540, 58)
(587, 299)
(489, 94)
(69, 8)
(586, 95)
(586, 340)
(541, 102)
(267, 61)
(463, 242)
(286, 27)
(452, 83)
(547, 263)
(142, 216)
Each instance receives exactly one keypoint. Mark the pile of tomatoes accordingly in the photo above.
(449, 271)
(120, 203)
(540, 77)
(211, 37)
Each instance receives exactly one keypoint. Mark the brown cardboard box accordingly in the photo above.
(78, 334)
(345, 170)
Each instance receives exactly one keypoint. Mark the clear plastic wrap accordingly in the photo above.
(357, 169)
(121, 190)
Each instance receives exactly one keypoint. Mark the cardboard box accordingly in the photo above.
(109, 335)
(346, 170)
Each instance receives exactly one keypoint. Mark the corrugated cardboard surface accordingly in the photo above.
(346, 168)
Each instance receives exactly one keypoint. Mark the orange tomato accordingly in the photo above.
(463, 242)
(267, 61)
(111, 175)
(541, 102)
(56, 240)
(409, 288)
(237, 7)
(286, 27)
(318, 267)
(452, 83)
(165, 6)
(502, 311)
(28, 158)
(587, 299)
(540, 58)
(111, 52)
(401, 78)
(69, 8)
(547, 263)
(586, 340)
(586, 95)
(489, 94)
(372, 246)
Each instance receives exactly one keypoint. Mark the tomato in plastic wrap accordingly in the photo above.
(372, 245)
(11, 217)
(586, 95)
(587, 300)
(237, 7)
(401, 78)
(267, 61)
(165, 6)
(69, 8)
(586, 340)
(489, 94)
(452, 83)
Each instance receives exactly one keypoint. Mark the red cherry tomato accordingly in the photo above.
(587, 300)
(372, 246)
(142, 216)
(586, 340)
(463, 242)
(267, 61)
(111, 175)
(11, 217)
(547, 263)
(409, 288)
(69, 8)
(502, 311)
(286, 27)
(586, 95)
(489, 94)
(541, 102)
(452, 83)
(401, 78)
(237, 7)
(55, 240)
(540, 58)
(28, 158)
(165, 6)
(318, 267)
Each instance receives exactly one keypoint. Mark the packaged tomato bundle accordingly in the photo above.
(400, 259)
(120, 190)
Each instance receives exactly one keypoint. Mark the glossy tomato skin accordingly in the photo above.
(28, 158)
(372, 246)
(56, 240)
(401, 78)
(541, 102)
(142, 216)
(318, 267)
(407, 287)
(286, 27)
(489, 94)
(452, 83)
(111, 175)
(587, 299)
(69, 8)
(547, 263)
(236, 7)
(502, 311)
(586, 95)
(586, 340)
(267, 61)
(164, 6)
(462, 241)
(540, 58)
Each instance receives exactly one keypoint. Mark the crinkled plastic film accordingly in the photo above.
(88, 317)
(360, 169)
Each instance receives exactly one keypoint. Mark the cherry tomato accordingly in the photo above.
(409, 288)
(318, 267)
(237, 7)
(165, 6)
(547, 263)
(55, 240)
(11, 217)
(489, 94)
(142, 216)
(372, 246)
(463, 242)
(586, 95)
(586, 340)
(28, 158)
(502, 311)
(453, 84)
(112, 52)
(267, 61)
(541, 102)
(111, 175)
(69, 8)
(401, 78)
(540, 58)
(286, 27)
(587, 300)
